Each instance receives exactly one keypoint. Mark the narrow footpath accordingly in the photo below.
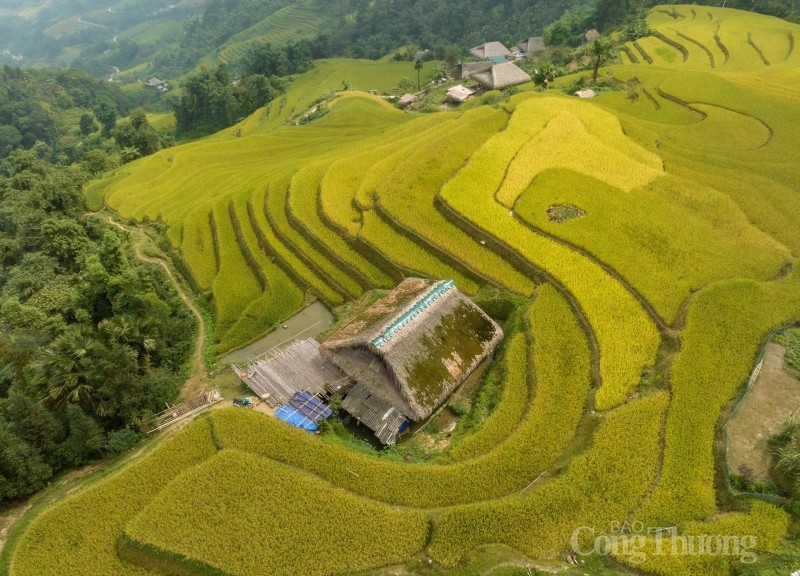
(197, 374)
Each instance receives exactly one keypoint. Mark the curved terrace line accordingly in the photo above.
(514, 158)
(522, 264)
(378, 251)
(313, 266)
(215, 241)
(652, 99)
(319, 245)
(722, 47)
(641, 51)
(699, 45)
(651, 311)
(704, 115)
(767, 127)
(670, 42)
(430, 247)
(245, 250)
(677, 326)
(270, 252)
(679, 102)
(629, 53)
(757, 49)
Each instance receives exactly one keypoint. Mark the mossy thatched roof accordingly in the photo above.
(415, 345)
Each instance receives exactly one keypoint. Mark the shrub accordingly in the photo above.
(121, 440)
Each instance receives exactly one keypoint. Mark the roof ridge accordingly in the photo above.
(414, 309)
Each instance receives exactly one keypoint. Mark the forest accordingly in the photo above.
(91, 341)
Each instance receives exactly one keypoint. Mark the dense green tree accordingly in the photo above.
(85, 440)
(10, 138)
(74, 367)
(35, 425)
(137, 133)
(107, 115)
(87, 124)
(65, 240)
(610, 13)
(22, 469)
(90, 342)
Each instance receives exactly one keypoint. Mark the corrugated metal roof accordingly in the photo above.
(299, 367)
(375, 413)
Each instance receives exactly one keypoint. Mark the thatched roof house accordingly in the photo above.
(531, 45)
(409, 351)
(459, 94)
(159, 85)
(407, 100)
(501, 76)
(490, 50)
(591, 35)
(467, 69)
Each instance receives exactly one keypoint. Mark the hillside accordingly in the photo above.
(670, 259)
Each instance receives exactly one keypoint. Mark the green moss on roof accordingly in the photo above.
(459, 338)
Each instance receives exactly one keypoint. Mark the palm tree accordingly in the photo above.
(137, 335)
(129, 153)
(418, 68)
(70, 367)
(601, 51)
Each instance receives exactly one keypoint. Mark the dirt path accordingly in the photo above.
(197, 374)
(8, 518)
(773, 397)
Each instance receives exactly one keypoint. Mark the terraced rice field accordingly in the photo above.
(291, 23)
(152, 32)
(647, 307)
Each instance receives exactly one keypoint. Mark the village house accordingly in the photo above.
(531, 45)
(501, 76)
(408, 99)
(494, 51)
(394, 364)
(459, 94)
(591, 35)
(408, 352)
(157, 84)
(465, 70)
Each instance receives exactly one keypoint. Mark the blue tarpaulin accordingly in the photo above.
(293, 416)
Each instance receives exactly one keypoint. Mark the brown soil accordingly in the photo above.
(8, 518)
(258, 405)
(773, 397)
